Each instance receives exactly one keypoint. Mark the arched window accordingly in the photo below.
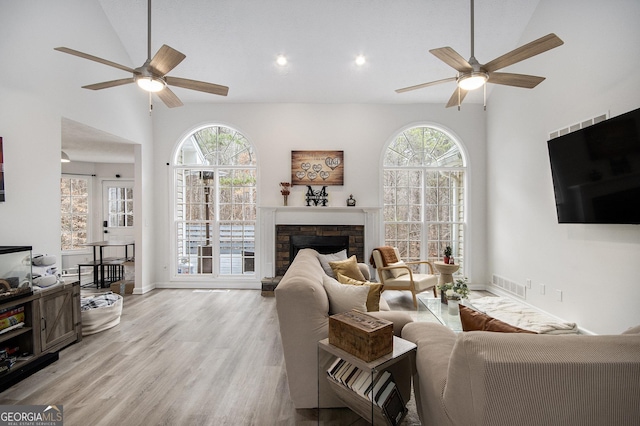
(424, 195)
(215, 203)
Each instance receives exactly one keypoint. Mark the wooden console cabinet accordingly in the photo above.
(60, 319)
(52, 321)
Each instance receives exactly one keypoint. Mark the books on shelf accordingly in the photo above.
(376, 386)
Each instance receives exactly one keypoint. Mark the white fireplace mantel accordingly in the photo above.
(316, 215)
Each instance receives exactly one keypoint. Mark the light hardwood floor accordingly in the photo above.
(180, 357)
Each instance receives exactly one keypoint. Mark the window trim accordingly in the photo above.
(90, 204)
(215, 276)
(466, 166)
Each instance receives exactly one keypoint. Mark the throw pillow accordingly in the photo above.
(398, 272)
(477, 321)
(333, 257)
(375, 291)
(348, 268)
(343, 298)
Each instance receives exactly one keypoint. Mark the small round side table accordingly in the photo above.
(446, 271)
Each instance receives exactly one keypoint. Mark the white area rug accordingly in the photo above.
(514, 313)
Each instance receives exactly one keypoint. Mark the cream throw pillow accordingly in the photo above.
(375, 291)
(343, 298)
(332, 257)
(348, 268)
(399, 271)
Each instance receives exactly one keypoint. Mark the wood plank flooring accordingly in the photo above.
(180, 357)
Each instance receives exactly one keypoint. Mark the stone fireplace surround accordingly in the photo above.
(322, 238)
(364, 218)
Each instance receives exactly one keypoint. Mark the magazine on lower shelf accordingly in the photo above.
(376, 386)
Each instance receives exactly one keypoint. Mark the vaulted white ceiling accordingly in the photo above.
(236, 42)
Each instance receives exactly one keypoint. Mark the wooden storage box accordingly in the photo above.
(361, 335)
(122, 287)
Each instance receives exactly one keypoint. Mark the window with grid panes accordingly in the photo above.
(424, 195)
(215, 203)
(74, 212)
(120, 210)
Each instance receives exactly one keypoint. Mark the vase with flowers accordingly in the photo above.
(454, 293)
(284, 190)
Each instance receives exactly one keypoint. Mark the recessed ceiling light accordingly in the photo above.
(360, 60)
(281, 60)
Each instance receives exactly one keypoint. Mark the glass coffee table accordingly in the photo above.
(430, 307)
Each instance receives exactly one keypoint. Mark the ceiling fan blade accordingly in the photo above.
(452, 58)
(166, 59)
(107, 84)
(420, 86)
(169, 98)
(200, 86)
(524, 52)
(517, 80)
(93, 58)
(454, 100)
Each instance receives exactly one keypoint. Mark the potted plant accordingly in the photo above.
(456, 292)
(447, 254)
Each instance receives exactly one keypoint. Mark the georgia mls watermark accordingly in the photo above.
(31, 415)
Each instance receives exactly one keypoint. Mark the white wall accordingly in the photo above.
(597, 267)
(39, 87)
(361, 131)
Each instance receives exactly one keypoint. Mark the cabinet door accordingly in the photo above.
(59, 325)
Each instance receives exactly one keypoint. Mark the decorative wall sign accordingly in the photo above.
(317, 167)
(317, 197)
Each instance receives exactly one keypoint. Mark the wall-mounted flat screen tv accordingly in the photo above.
(596, 172)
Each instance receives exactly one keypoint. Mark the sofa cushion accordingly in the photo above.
(375, 290)
(332, 257)
(343, 298)
(473, 320)
(348, 267)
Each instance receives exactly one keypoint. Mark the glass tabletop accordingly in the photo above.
(429, 307)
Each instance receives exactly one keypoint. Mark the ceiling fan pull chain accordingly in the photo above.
(459, 99)
(150, 104)
(485, 97)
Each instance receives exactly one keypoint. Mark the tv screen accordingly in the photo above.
(596, 172)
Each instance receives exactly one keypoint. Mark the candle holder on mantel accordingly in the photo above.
(285, 191)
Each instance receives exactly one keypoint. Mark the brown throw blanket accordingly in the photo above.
(388, 255)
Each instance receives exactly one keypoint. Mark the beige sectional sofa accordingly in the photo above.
(302, 305)
(488, 378)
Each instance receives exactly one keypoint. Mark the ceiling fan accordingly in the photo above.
(473, 75)
(152, 75)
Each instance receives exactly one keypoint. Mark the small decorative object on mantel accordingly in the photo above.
(285, 191)
(447, 254)
(318, 197)
(351, 202)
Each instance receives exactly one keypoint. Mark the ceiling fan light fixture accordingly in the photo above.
(151, 84)
(64, 158)
(472, 80)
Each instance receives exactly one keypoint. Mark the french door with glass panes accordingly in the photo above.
(117, 210)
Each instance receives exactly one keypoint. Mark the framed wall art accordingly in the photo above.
(317, 168)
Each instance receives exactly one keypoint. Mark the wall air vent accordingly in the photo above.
(578, 126)
(509, 286)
